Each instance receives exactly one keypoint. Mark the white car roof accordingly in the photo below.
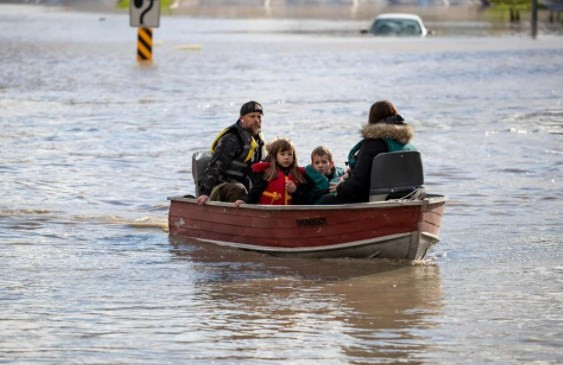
(398, 15)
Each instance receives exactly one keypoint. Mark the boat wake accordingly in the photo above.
(144, 222)
(37, 217)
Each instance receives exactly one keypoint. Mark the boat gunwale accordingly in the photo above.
(429, 200)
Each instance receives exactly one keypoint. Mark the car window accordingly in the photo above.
(396, 27)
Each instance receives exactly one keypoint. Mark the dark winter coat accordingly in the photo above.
(376, 140)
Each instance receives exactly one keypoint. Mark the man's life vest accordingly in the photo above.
(252, 151)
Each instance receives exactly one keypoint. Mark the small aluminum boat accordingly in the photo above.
(391, 229)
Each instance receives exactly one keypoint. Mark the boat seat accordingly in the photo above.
(397, 175)
(200, 161)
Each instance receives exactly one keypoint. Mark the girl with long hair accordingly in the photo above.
(277, 180)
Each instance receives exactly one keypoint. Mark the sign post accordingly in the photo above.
(144, 14)
(534, 18)
(144, 44)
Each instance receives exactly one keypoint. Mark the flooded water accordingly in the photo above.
(92, 143)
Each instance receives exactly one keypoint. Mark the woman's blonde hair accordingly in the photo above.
(281, 145)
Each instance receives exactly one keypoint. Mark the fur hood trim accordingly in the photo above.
(402, 133)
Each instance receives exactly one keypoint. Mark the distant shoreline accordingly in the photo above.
(433, 13)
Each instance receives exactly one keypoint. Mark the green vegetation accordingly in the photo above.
(511, 4)
(514, 4)
(511, 9)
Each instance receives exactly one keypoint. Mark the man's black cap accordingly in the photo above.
(251, 107)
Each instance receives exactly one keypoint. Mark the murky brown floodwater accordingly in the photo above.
(91, 144)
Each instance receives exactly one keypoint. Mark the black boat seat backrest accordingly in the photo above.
(396, 175)
(200, 161)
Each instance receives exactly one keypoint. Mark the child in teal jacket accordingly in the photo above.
(322, 172)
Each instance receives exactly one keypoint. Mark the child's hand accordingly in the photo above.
(290, 186)
(238, 203)
(346, 176)
(333, 186)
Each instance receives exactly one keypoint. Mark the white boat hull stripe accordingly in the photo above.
(309, 249)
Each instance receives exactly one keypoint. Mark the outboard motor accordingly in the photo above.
(200, 161)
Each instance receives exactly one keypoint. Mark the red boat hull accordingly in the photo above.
(392, 229)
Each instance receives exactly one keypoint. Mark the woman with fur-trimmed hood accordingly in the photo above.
(386, 131)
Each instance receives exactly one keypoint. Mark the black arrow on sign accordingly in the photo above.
(146, 11)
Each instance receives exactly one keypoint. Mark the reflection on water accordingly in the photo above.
(341, 310)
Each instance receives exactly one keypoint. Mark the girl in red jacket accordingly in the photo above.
(277, 180)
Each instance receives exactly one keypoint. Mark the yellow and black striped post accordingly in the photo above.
(144, 44)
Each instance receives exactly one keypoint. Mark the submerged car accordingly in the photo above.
(398, 25)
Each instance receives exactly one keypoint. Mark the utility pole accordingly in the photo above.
(534, 18)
